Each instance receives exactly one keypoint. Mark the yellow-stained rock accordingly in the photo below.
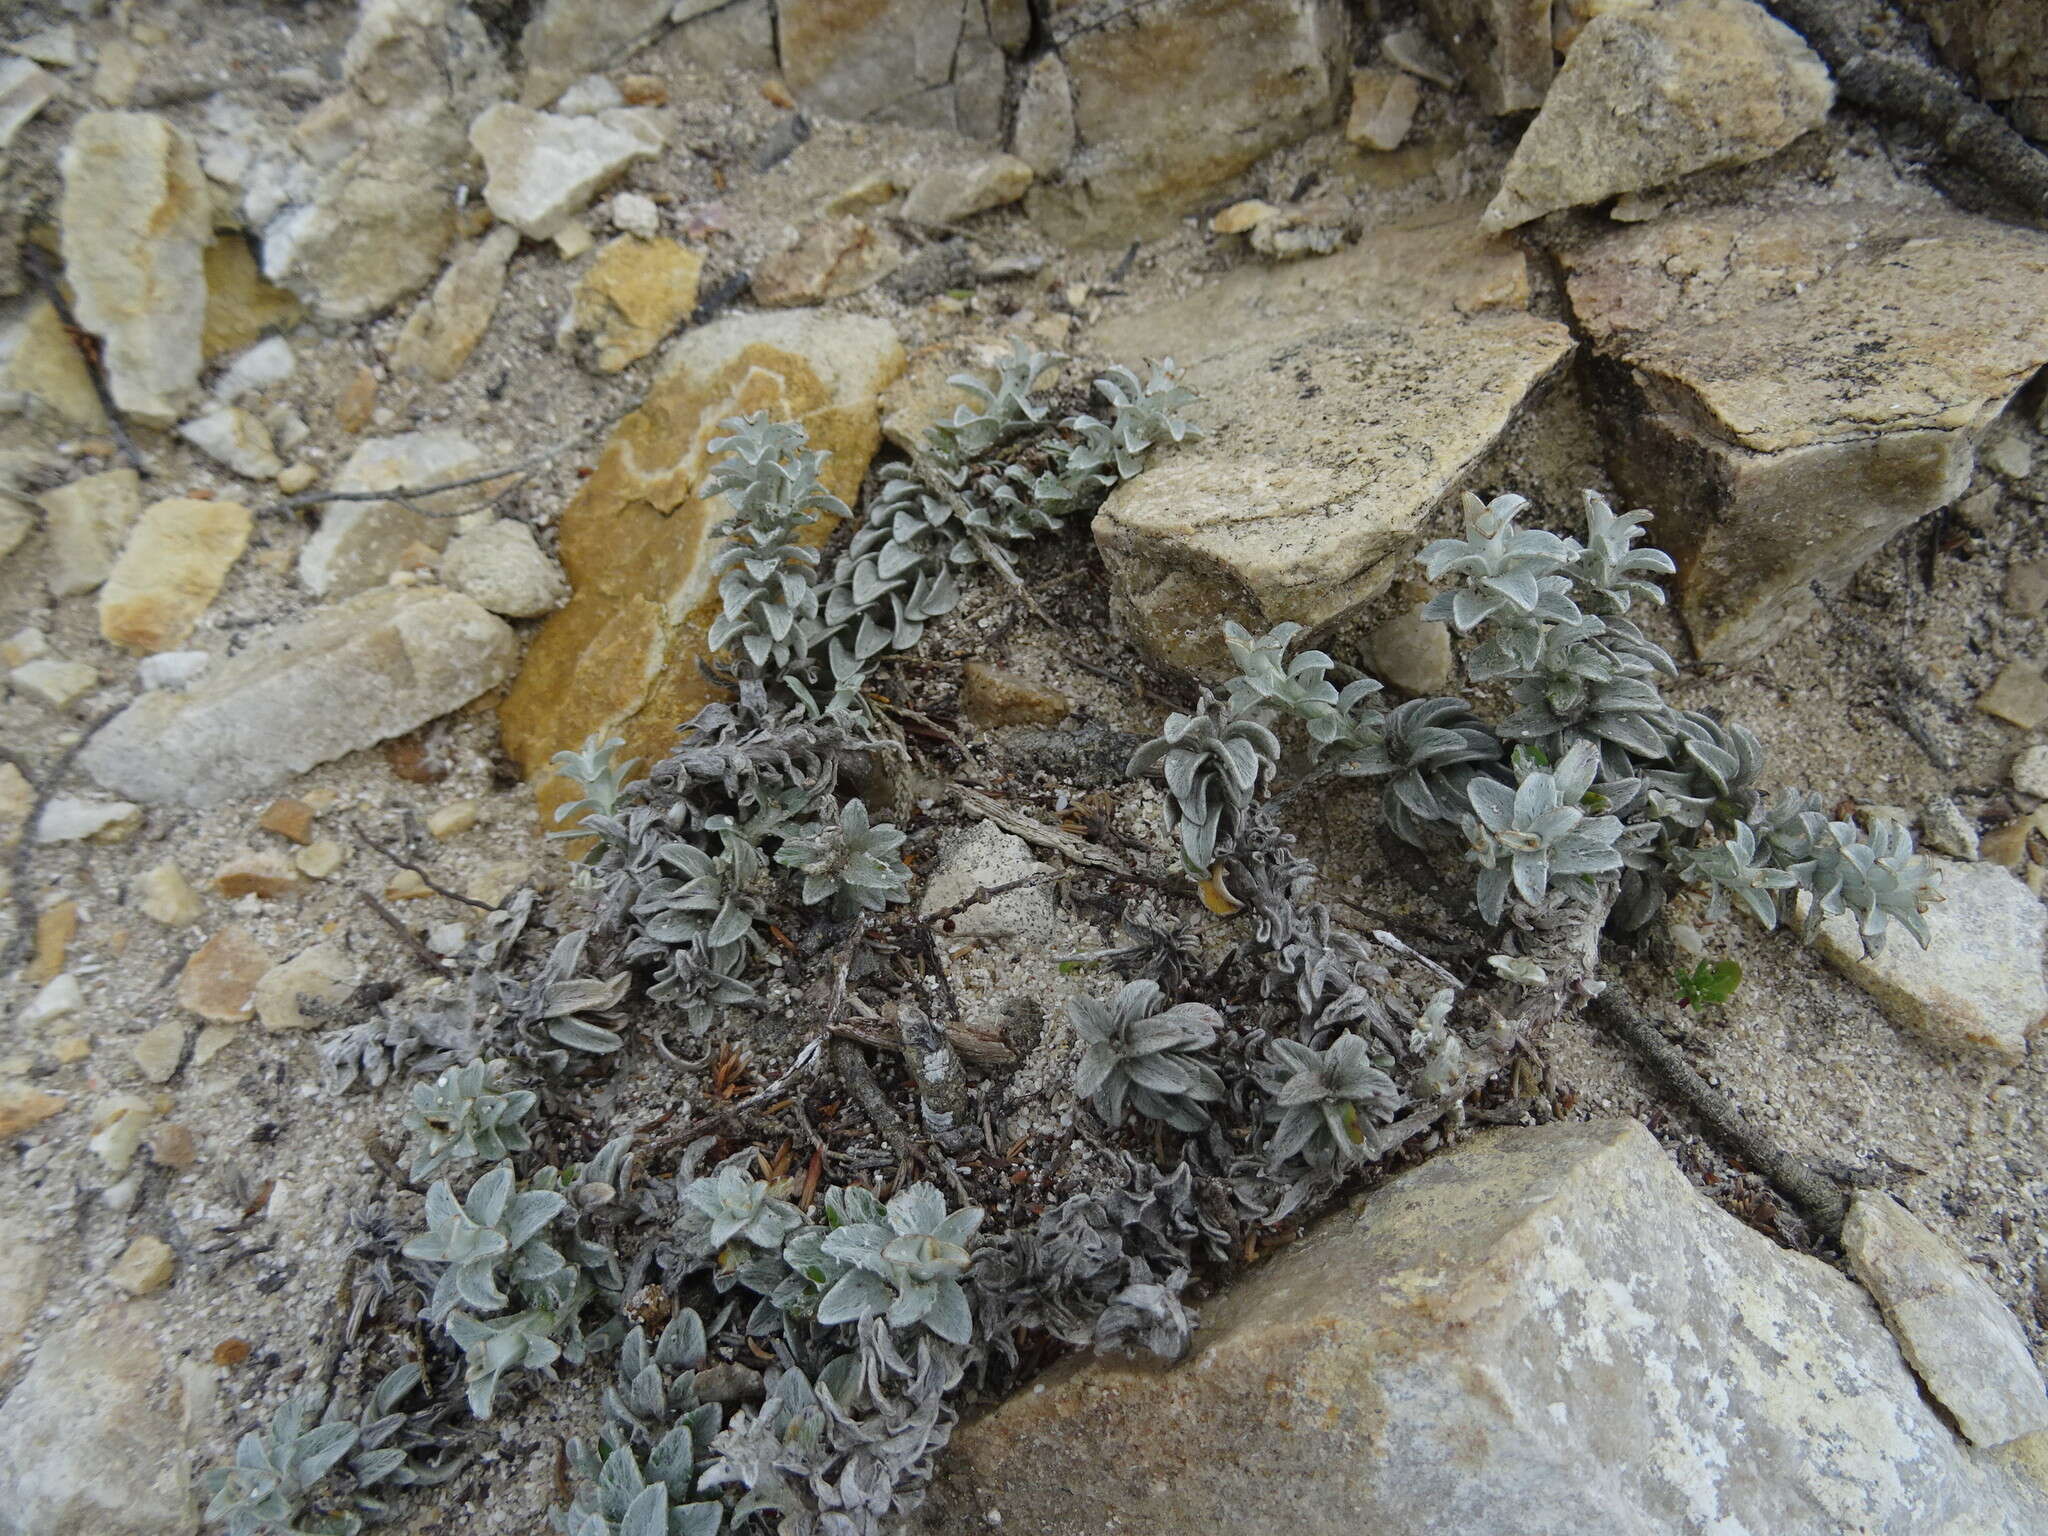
(634, 294)
(829, 260)
(22, 1107)
(240, 305)
(46, 364)
(219, 981)
(620, 658)
(990, 696)
(170, 571)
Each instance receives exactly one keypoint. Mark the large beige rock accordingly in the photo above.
(621, 658)
(170, 571)
(357, 212)
(1796, 383)
(1174, 97)
(1648, 96)
(929, 63)
(136, 219)
(1978, 985)
(1963, 1343)
(1543, 1332)
(1344, 400)
(1503, 46)
(347, 676)
(92, 1442)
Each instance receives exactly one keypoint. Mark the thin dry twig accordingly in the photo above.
(396, 924)
(24, 851)
(425, 879)
(1818, 1198)
(1076, 850)
(46, 279)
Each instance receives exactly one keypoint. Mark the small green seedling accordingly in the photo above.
(1709, 984)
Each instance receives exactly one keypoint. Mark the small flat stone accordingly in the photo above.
(168, 897)
(953, 193)
(294, 478)
(59, 684)
(23, 1108)
(1242, 218)
(264, 875)
(504, 568)
(74, 819)
(541, 169)
(236, 440)
(218, 983)
(288, 818)
(318, 861)
(172, 1145)
(978, 858)
(60, 998)
(447, 325)
(1979, 984)
(262, 367)
(990, 696)
(827, 260)
(158, 1051)
(2009, 455)
(56, 927)
(2030, 772)
(170, 571)
(1043, 137)
(1946, 829)
(2019, 695)
(213, 1039)
(17, 797)
(24, 91)
(634, 213)
(290, 996)
(146, 1265)
(2026, 588)
(119, 1123)
(360, 543)
(17, 522)
(1383, 106)
(1960, 1339)
(25, 645)
(1410, 653)
(25, 1270)
(86, 522)
(452, 819)
(1411, 49)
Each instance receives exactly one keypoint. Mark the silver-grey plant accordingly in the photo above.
(849, 861)
(1140, 1053)
(1325, 1103)
(465, 1115)
(905, 1267)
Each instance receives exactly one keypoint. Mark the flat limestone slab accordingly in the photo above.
(1545, 1331)
(1343, 400)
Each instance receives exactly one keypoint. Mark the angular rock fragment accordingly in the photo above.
(1792, 384)
(93, 1438)
(1543, 1330)
(218, 982)
(1172, 98)
(978, 858)
(828, 260)
(928, 63)
(236, 440)
(444, 330)
(293, 995)
(360, 543)
(24, 91)
(541, 168)
(136, 219)
(952, 193)
(348, 676)
(1957, 1334)
(86, 522)
(502, 567)
(357, 213)
(1043, 137)
(566, 39)
(1979, 984)
(634, 293)
(635, 543)
(264, 366)
(170, 571)
(1649, 96)
(1383, 103)
(1343, 400)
